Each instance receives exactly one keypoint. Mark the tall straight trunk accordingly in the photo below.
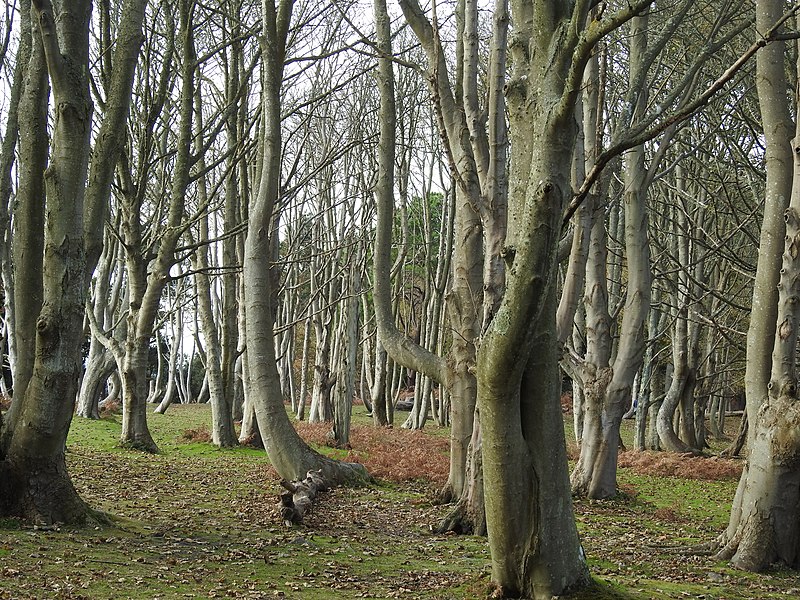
(7, 159)
(764, 526)
(301, 401)
(774, 92)
(646, 397)
(680, 395)
(222, 430)
(28, 226)
(345, 381)
(235, 184)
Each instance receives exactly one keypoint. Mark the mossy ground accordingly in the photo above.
(195, 521)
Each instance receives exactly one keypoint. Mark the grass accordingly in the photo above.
(195, 521)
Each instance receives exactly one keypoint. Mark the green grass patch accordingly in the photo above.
(197, 521)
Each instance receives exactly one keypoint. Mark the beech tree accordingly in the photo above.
(763, 527)
(290, 456)
(35, 482)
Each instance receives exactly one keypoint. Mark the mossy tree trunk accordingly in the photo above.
(35, 479)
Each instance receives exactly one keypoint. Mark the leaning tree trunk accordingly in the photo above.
(288, 453)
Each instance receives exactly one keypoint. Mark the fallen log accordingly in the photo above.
(298, 496)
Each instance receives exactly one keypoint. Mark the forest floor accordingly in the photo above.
(195, 521)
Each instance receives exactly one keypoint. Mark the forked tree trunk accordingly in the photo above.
(37, 485)
(608, 385)
(469, 152)
(152, 276)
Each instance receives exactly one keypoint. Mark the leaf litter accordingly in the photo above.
(196, 522)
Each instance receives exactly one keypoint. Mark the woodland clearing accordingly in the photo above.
(195, 521)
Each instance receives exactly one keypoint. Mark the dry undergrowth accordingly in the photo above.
(198, 434)
(686, 466)
(392, 454)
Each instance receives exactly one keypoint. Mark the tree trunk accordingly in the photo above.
(7, 158)
(764, 527)
(222, 431)
(148, 278)
(346, 379)
(287, 452)
(28, 225)
(39, 487)
(774, 92)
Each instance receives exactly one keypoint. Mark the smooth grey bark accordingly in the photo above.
(287, 452)
(764, 528)
(608, 383)
(171, 391)
(345, 382)
(476, 155)
(100, 362)
(148, 278)
(774, 91)
(222, 431)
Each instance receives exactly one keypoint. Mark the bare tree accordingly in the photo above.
(33, 449)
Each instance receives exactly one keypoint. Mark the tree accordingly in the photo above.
(475, 146)
(290, 456)
(763, 527)
(34, 479)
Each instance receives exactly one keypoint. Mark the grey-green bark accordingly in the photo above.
(28, 230)
(37, 483)
(290, 456)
